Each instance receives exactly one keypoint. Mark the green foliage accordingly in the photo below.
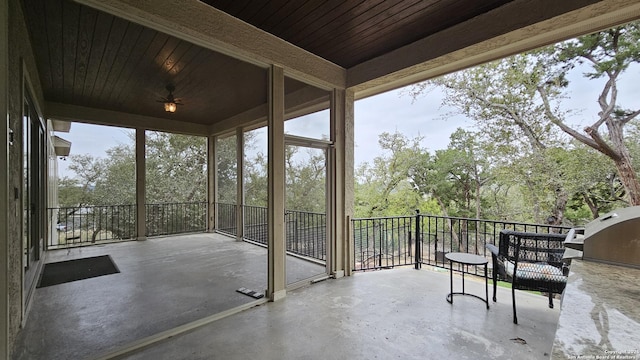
(71, 193)
(227, 173)
(176, 162)
(305, 179)
(382, 187)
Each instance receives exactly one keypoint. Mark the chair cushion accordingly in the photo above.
(536, 271)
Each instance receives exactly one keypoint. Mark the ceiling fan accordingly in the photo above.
(170, 103)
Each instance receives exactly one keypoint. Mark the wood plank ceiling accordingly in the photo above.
(349, 32)
(93, 59)
(89, 58)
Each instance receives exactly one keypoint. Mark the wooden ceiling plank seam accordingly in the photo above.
(144, 42)
(155, 46)
(372, 44)
(390, 16)
(191, 91)
(223, 3)
(396, 35)
(318, 18)
(174, 58)
(199, 58)
(293, 19)
(159, 73)
(237, 6)
(54, 40)
(321, 25)
(350, 30)
(130, 39)
(267, 20)
(37, 32)
(184, 64)
(99, 42)
(302, 21)
(252, 11)
(114, 42)
(70, 19)
(86, 29)
(151, 72)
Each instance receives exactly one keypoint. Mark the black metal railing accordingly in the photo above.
(87, 225)
(255, 224)
(176, 218)
(425, 239)
(383, 242)
(306, 233)
(226, 222)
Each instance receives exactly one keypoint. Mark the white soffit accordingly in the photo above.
(62, 146)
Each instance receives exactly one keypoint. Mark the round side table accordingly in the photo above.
(467, 259)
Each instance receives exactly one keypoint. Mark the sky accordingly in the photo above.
(387, 112)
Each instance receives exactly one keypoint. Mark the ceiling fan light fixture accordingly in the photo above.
(170, 107)
(170, 104)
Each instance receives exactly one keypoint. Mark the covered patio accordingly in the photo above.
(189, 283)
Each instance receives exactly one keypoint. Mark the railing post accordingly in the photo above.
(418, 253)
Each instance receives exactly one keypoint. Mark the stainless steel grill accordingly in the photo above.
(612, 238)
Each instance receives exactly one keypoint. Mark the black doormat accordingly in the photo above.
(78, 269)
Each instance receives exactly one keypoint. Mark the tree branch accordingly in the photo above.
(607, 109)
(630, 117)
(554, 119)
(602, 145)
(535, 142)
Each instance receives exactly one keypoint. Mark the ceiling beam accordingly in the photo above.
(298, 103)
(67, 112)
(516, 27)
(206, 26)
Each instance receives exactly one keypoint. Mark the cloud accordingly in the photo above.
(394, 111)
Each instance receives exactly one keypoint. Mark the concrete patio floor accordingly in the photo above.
(169, 282)
(390, 314)
(163, 283)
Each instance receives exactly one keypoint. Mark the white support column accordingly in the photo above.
(4, 181)
(341, 181)
(239, 184)
(212, 183)
(276, 239)
(141, 218)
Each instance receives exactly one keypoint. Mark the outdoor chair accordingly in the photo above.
(529, 261)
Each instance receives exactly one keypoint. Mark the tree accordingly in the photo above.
(227, 173)
(501, 98)
(305, 180)
(177, 162)
(609, 54)
(596, 187)
(88, 170)
(377, 183)
(516, 103)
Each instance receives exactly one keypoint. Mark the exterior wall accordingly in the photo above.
(52, 186)
(20, 52)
